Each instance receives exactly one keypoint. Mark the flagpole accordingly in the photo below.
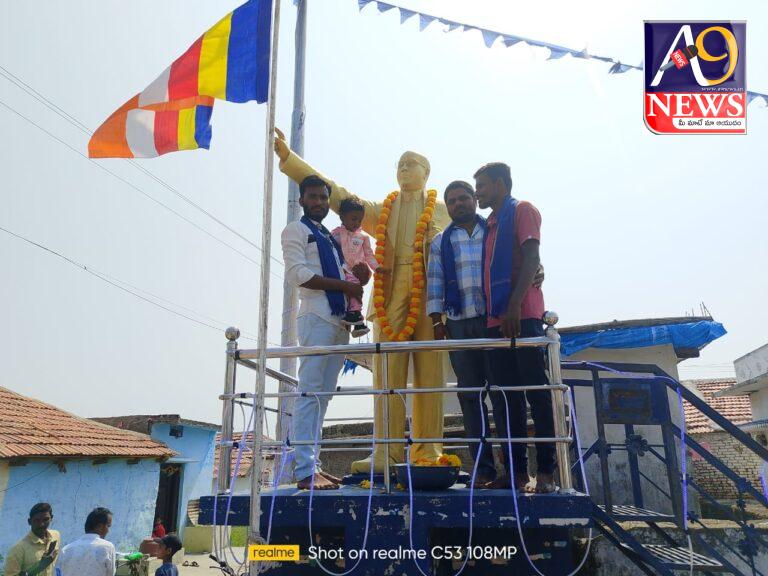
(254, 536)
(290, 294)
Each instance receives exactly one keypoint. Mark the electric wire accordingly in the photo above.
(471, 488)
(129, 288)
(133, 186)
(48, 103)
(312, 492)
(44, 470)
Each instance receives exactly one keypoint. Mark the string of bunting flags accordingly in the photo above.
(490, 37)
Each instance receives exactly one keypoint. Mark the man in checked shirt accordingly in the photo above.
(455, 289)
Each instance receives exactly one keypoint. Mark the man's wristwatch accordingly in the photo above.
(438, 323)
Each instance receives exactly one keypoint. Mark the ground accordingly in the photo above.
(203, 561)
(205, 564)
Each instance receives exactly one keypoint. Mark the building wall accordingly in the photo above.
(196, 452)
(752, 365)
(759, 401)
(740, 459)
(129, 491)
(621, 487)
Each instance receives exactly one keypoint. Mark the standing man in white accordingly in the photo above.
(91, 554)
(313, 263)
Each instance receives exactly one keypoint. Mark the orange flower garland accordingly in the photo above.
(417, 268)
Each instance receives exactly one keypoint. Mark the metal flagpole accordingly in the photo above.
(290, 294)
(254, 536)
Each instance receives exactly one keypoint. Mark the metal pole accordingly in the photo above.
(290, 294)
(254, 536)
(225, 450)
(558, 402)
(385, 420)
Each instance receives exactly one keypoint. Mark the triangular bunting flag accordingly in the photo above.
(511, 40)
(619, 68)
(425, 20)
(583, 54)
(450, 24)
(557, 53)
(490, 37)
(405, 14)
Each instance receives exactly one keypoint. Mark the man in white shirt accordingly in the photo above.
(91, 554)
(313, 263)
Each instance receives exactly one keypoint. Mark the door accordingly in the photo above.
(168, 494)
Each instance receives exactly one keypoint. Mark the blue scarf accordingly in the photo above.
(326, 244)
(501, 265)
(452, 297)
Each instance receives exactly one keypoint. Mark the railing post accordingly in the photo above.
(225, 449)
(558, 402)
(385, 385)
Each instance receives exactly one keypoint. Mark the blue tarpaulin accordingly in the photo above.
(689, 335)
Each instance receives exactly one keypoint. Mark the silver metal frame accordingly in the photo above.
(246, 358)
(254, 536)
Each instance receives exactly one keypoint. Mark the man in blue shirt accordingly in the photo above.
(455, 288)
(464, 305)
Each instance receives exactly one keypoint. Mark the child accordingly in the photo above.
(159, 530)
(168, 546)
(356, 247)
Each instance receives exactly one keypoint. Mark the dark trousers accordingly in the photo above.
(521, 367)
(471, 371)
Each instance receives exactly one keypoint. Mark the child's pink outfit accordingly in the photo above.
(356, 248)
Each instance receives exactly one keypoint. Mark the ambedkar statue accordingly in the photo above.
(403, 224)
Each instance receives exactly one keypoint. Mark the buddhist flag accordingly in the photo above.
(229, 62)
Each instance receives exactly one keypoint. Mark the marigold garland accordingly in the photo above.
(417, 268)
(442, 460)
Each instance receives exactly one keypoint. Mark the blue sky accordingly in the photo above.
(627, 231)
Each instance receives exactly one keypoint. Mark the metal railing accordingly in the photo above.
(667, 454)
(245, 357)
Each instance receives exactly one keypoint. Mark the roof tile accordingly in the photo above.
(737, 409)
(32, 429)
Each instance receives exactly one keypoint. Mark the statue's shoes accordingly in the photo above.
(364, 466)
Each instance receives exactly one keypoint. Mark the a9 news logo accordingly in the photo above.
(695, 77)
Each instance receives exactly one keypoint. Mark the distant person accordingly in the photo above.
(356, 249)
(158, 531)
(37, 551)
(91, 554)
(168, 546)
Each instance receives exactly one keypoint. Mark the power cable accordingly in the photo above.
(28, 479)
(130, 289)
(22, 85)
(127, 183)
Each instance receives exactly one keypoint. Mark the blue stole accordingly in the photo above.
(452, 298)
(326, 244)
(501, 264)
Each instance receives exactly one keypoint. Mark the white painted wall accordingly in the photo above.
(752, 365)
(759, 402)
